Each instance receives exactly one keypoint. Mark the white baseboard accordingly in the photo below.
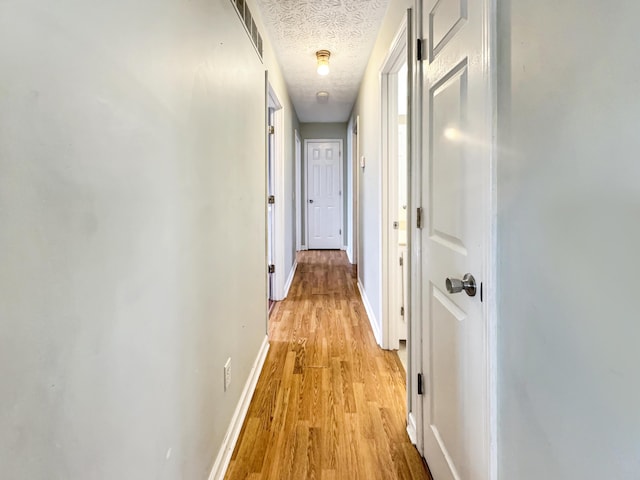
(233, 432)
(287, 285)
(377, 333)
(349, 254)
(412, 430)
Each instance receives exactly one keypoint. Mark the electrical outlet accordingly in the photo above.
(227, 374)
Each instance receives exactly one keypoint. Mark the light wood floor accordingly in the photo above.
(330, 404)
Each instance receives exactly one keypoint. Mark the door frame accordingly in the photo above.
(278, 232)
(488, 204)
(353, 189)
(297, 172)
(307, 141)
(398, 54)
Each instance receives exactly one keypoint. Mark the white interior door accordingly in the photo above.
(456, 130)
(324, 194)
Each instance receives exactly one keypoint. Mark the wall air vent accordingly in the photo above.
(249, 24)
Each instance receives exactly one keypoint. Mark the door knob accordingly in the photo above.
(310, 201)
(468, 284)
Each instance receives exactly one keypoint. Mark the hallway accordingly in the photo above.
(330, 403)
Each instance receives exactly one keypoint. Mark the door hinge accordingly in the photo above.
(272, 129)
(419, 49)
(340, 232)
(420, 386)
(481, 292)
(272, 269)
(401, 261)
(402, 311)
(271, 199)
(396, 225)
(419, 217)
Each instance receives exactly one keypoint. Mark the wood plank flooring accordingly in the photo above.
(329, 404)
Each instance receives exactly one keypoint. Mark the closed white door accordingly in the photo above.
(456, 132)
(324, 195)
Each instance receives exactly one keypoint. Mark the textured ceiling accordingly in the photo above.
(347, 28)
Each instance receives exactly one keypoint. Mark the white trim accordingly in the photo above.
(415, 234)
(350, 256)
(377, 333)
(299, 205)
(292, 274)
(389, 207)
(279, 193)
(237, 420)
(412, 431)
(356, 197)
(307, 141)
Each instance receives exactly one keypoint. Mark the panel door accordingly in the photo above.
(324, 195)
(456, 132)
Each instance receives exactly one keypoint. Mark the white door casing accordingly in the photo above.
(355, 227)
(276, 187)
(271, 237)
(299, 205)
(324, 194)
(457, 148)
(394, 76)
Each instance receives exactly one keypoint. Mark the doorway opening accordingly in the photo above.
(274, 204)
(353, 147)
(397, 253)
(395, 147)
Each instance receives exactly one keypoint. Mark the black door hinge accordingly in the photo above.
(420, 388)
(419, 49)
(419, 217)
(272, 269)
(402, 311)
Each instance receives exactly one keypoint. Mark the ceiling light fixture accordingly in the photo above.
(322, 97)
(323, 61)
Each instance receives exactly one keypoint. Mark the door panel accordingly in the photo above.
(447, 179)
(324, 195)
(456, 129)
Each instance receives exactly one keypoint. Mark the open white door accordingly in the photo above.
(324, 194)
(456, 183)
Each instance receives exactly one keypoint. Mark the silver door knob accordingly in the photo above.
(468, 284)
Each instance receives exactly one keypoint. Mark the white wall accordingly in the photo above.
(569, 230)
(368, 106)
(132, 234)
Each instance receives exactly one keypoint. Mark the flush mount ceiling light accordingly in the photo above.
(323, 61)
(322, 97)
